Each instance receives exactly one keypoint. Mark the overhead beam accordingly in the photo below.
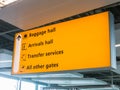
(8, 37)
(80, 87)
(58, 78)
(5, 69)
(2, 33)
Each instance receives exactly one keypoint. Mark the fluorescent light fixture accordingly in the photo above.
(62, 75)
(117, 45)
(5, 72)
(6, 2)
(68, 82)
(5, 61)
(112, 87)
(5, 58)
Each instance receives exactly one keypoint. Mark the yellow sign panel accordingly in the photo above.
(78, 44)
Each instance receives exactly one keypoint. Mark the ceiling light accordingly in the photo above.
(5, 58)
(5, 64)
(5, 61)
(5, 55)
(68, 82)
(117, 45)
(6, 2)
(112, 87)
(62, 75)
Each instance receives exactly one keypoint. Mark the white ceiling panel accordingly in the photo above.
(27, 14)
(5, 58)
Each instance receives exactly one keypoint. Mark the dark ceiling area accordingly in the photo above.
(107, 76)
(7, 32)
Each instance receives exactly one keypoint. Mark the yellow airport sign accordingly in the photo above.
(79, 44)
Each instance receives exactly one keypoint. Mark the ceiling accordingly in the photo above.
(7, 32)
(27, 14)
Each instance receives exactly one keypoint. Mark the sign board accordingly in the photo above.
(79, 44)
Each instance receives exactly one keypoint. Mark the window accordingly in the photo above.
(40, 87)
(8, 84)
(27, 86)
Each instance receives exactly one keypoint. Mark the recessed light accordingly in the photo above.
(6, 2)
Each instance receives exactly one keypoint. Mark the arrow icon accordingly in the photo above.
(18, 37)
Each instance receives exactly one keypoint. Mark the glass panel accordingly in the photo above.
(8, 84)
(40, 87)
(27, 86)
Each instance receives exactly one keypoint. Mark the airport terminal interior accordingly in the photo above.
(22, 16)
